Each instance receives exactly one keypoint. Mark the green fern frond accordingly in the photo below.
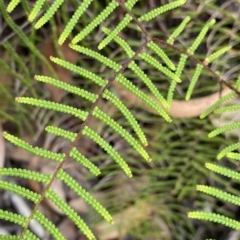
(108, 148)
(128, 115)
(38, 216)
(155, 48)
(144, 97)
(137, 70)
(36, 9)
(67, 87)
(227, 197)
(214, 217)
(96, 138)
(95, 22)
(69, 181)
(124, 22)
(53, 106)
(82, 160)
(223, 171)
(232, 155)
(199, 69)
(157, 11)
(231, 108)
(213, 107)
(11, 6)
(217, 54)
(223, 129)
(180, 67)
(49, 13)
(200, 36)
(122, 132)
(178, 30)
(194, 80)
(17, 219)
(81, 71)
(120, 78)
(34, 150)
(152, 61)
(72, 22)
(53, 197)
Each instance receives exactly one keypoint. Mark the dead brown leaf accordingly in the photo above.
(63, 74)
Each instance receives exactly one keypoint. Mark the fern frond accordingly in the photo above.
(213, 217)
(53, 106)
(144, 97)
(228, 149)
(152, 61)
(53, 197)
(180, 67)
(200, 36)
(69, 181)
(72, 22)
(223, 171)
(199, 69)
(67, 87)
(223, 99)
(95, 22)
(96, 138)
(36, 9)
(124, 22)
(82, 160)
(120, 78)
(122, 132)
(81, 71)
(178, 30)
(223, 129)
(17, 219)
(49, 13)
(232, 155)
(38, 216)
(108, 148)
(217, 54)
(137, 70)
(155, 48)
(128, 115)
(82, 193)
(230, 108)
(11, 6)
(157, 11)
(227, 197)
